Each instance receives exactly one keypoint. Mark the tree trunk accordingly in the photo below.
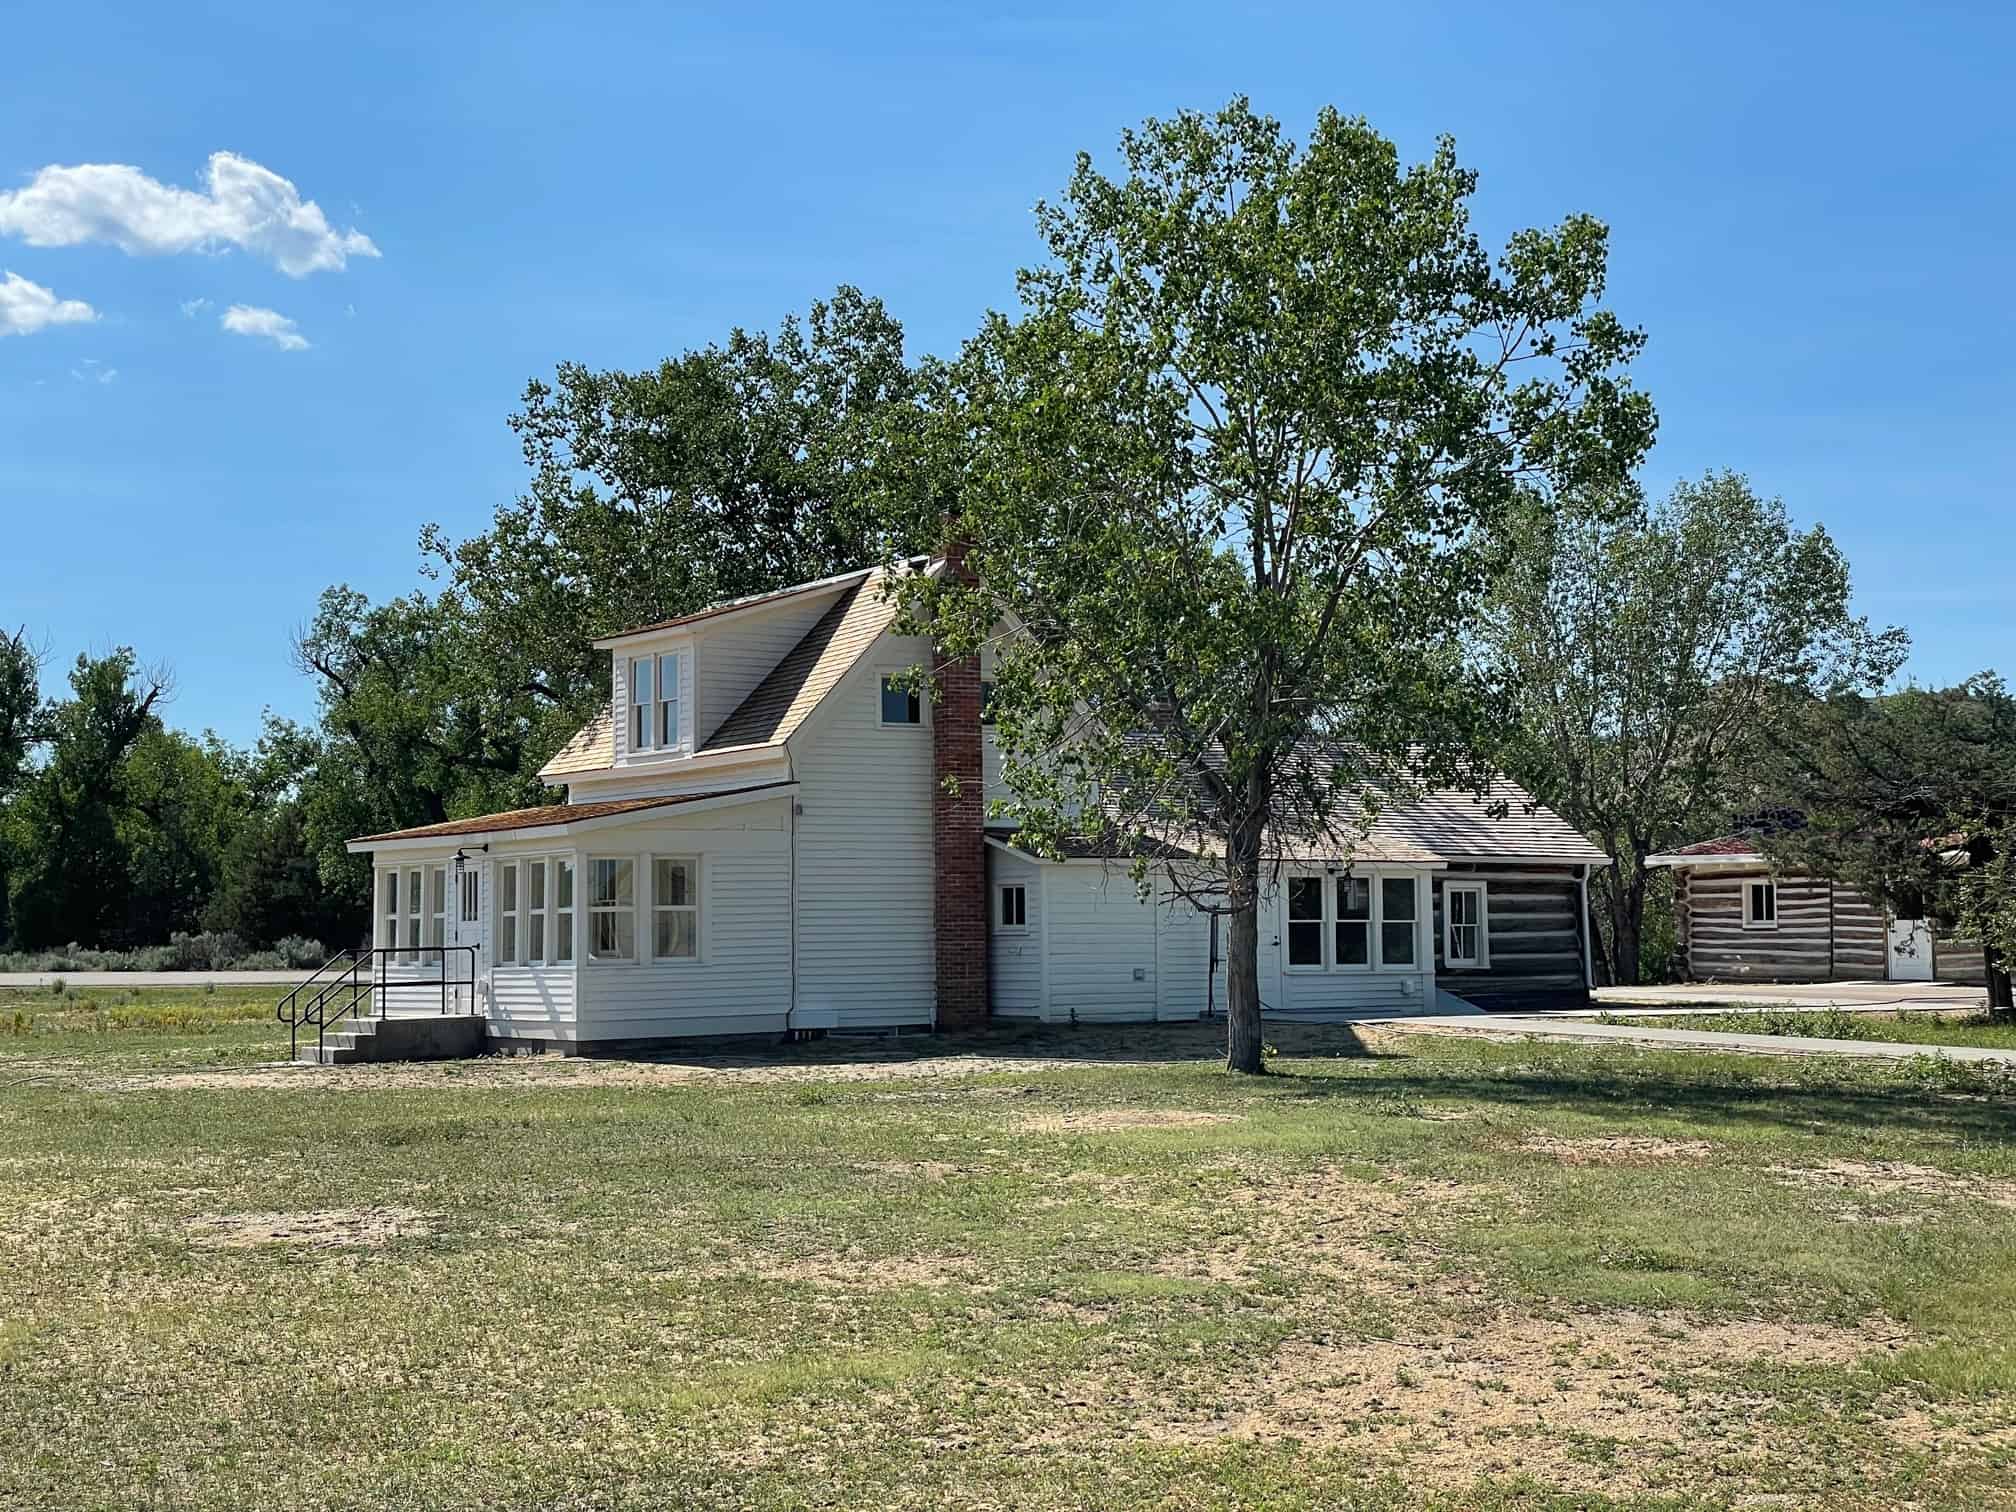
(1627, 924)
(1997, 969)
(1242, 954)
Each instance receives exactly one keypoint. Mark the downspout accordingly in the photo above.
(1588, 951)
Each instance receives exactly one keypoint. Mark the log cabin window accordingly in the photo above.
(1011, 912)
(1760, 905)
(1465, 940)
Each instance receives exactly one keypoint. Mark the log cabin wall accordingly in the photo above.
(1958, 961)
(1533, 922)
(1721, 948)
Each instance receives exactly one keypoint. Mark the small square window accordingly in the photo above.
(1760, 905)
(1013, 912)
(901, 704)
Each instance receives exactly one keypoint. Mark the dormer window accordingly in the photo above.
(640, 703)
(654, 720)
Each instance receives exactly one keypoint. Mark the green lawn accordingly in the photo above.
(1403, 1272)
(1832, 1023)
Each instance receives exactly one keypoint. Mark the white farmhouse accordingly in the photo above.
(758, 838)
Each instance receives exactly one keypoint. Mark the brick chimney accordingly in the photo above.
(958, 838)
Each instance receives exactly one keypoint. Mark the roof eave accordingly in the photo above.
(1708, 858)
(711, 617)
(366, 844)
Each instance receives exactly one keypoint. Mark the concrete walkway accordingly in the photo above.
(1567, 1027)
(1700, 997)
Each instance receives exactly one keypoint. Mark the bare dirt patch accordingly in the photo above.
(331, 1228)
(1616, 1149)
(846, 1270)
(1894, 1178)
(1516, 1392)
(1118, 1120)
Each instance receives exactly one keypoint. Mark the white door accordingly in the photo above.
(465, 928)
(1910, 951)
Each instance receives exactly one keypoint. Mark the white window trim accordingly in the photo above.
(1482, 960)
(647, 944)
(1001, 891)
(436, 932)
(923, 696)
(1750, 920)
(584, 885)
(515, 914)
(1376, 964)
(527, 867)
(648, 709)
(555, 909)
(675, 740)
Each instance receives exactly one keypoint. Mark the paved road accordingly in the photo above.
(149, 978)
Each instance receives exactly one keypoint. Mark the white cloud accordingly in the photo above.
(250, 320)
(94, 371)
(27, 307)
(242, 205)
(191, 308)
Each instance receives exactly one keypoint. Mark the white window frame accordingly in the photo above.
(390, 880)
(654, 908)
(1001, 924)
(614, 910)
(666, 711)
(509, 941)
(562, 951)
(1481, 961)
(470, 890)
(412, 912)
(1750, 886)
(1375, 961)
(642, 711)
(887, 675)
(532, 903)
(437, 908)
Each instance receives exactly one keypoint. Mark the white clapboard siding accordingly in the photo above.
(1101, 939)
(1015, 957)
(741, 981)
(865, 869)
(533, 1002)
(1183, 967)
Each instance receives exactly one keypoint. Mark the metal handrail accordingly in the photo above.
(361, 990)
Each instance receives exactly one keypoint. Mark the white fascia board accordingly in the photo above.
(573, 827)
(1740, 858)
(677, 768)
(703, 618)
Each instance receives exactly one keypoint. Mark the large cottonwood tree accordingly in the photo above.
(1660, 653)
(1233, 477)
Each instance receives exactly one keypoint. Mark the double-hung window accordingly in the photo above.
(1465, 937)
(668, 703)
(535, 912)
(1353, 922)
(675, 908)
(507, 913)
(413, 914)
(1012, 914)
(437, 907)
(640, 703)
(612, 908)
(563, 909)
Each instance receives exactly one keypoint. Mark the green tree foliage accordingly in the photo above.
(1659, 653)
(1234, 476)
(1911, 797)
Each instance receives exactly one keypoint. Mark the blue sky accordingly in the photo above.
(1811, 215)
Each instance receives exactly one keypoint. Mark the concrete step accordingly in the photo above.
(435, 1037)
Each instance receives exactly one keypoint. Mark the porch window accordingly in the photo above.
(507, 913)
(437, 907)
(612, 908)
(1305, 921)
(1465, 941)
(901, 704)
(388, 893)
(1760, 905)
(563, 909)
(1012, 913)
(675, 908)
(413, 915)
(1397, 904)
(472, 901)
(535, 911)
(640, 703)
(668, 702)
(1354, 921)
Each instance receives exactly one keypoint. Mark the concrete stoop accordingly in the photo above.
(452, 1036)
